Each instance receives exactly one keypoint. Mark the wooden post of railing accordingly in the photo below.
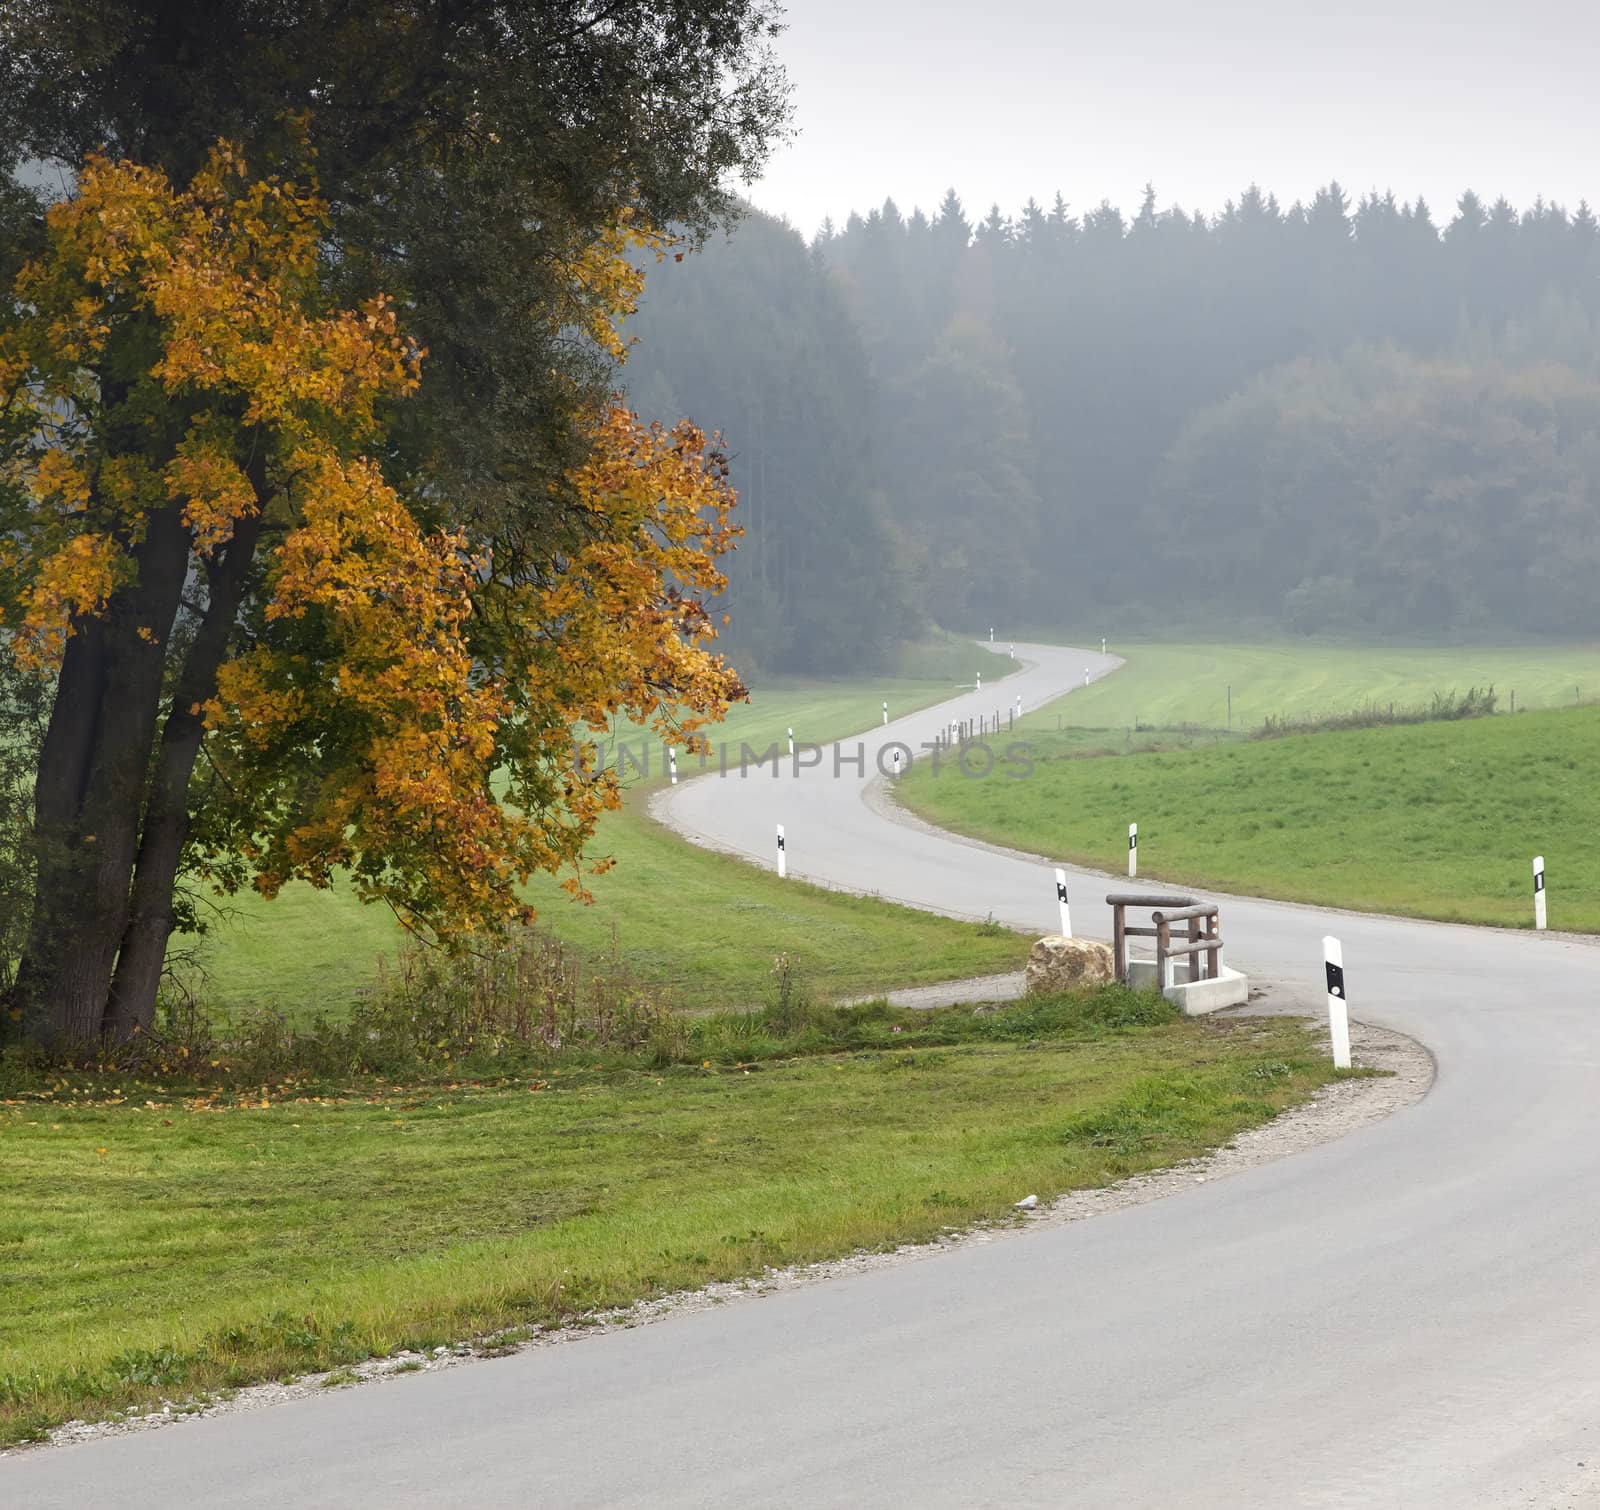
(1202, 945)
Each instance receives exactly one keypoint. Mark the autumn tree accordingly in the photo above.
(469, 158)
(197, 528)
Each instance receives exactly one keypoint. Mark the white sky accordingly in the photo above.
(1007, 98)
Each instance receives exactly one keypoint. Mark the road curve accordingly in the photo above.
(1406, 1317)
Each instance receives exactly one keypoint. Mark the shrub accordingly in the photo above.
(1475, 702)
(534, 1005)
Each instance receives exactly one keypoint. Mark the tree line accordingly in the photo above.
(1324, 417)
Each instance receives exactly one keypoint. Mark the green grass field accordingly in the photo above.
(1437, 820)
(701, 926)
(1188, 684)
(156, 1245)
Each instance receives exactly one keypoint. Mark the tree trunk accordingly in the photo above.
(91, 790)
(143, 954)
(63, 873)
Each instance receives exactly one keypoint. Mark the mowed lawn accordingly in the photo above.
(702, 926)
(1437, 820)
(154, 1245)
(1188, 684)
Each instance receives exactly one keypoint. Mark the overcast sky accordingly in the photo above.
(1007, 98)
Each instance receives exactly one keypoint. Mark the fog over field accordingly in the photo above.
(1156, 320)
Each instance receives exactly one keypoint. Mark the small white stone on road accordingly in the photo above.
(1027, 1203)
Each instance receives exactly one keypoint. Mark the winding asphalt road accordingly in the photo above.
(1407, 1317)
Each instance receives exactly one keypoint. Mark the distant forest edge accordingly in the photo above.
(1327, 419)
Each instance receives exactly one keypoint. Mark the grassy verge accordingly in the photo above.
(155, 1244)
(1169, 685)
(1433, 820)
(701, 926)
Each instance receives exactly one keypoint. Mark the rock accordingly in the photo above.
(1057, 964)
(1027, 1203)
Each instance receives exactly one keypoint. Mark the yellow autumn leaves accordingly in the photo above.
(224, 273)
(368, 718)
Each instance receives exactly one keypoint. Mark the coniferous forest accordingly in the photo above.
(1348, 416)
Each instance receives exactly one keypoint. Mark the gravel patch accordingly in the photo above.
(1331, 1112)
(949, 993)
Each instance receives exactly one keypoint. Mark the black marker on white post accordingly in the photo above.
(1338, 1009)
(782, 868)
(1133, 850)
(1538, 892)
(672, 764)
(791, 741)
(1061, 897)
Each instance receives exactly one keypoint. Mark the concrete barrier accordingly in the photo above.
(1194, 998)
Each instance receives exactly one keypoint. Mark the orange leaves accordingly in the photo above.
(75, 579)
(604, 283)
(229, 267)
(235, 282)
(377, 670)
(215, 289)
(629, 602)
(58, 478)
(400, 699)
(211, 485)
(370, 661)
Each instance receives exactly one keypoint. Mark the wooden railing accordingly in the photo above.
(1202, 945)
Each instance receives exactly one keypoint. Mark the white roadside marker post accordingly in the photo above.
(1013, 652)
(896, 764)
(1102, 644)
(782, 868)
(886, 710)
(1085, 676)
(991, 634)
(980, 682)
(791, 741)
(672, 765)
(1538, 892)
(1133, 850)
(1061, 897)
(1338, 1009)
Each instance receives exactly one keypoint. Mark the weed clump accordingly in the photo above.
(1443, 707)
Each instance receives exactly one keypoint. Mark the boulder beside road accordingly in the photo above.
(1058, 964)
